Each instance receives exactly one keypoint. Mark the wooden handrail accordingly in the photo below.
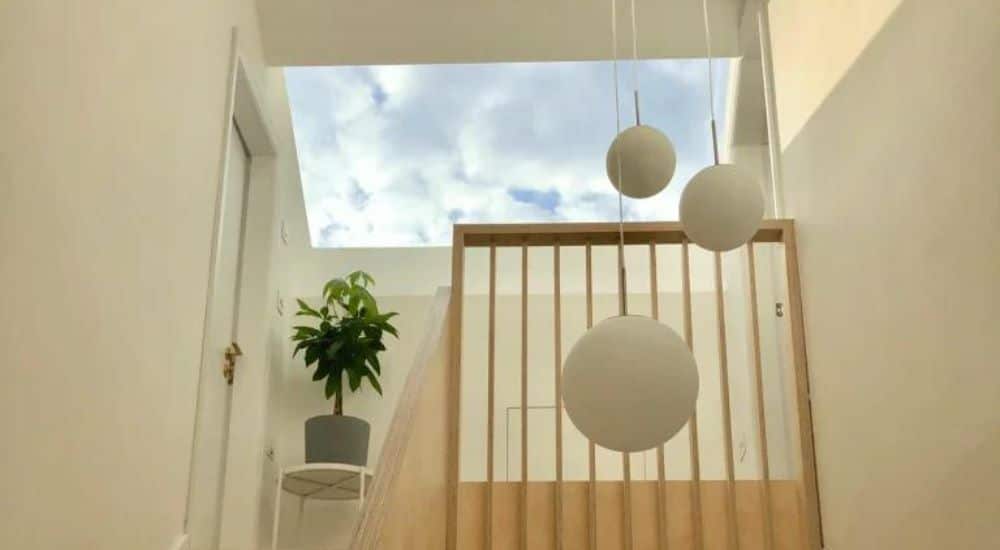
(368, 531)
(604, 233)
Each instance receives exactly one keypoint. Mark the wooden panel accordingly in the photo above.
(810, 486)
(454, 396)
(524, 397)
(679, 534)
(490, 396)
(546, 234)
(661, 466)
(557, 398)
(727, 422)
(758, 378)
(695, 509)
(626, 457)
(576, 515)
(406, 504)
(591, 449)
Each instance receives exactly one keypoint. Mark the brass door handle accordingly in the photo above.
(229, 365)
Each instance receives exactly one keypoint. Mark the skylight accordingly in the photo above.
(394, 155)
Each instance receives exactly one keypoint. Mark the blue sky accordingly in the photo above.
(393, 155)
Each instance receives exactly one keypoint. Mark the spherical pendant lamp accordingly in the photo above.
(644, 159)
(630, 383)
(721, 208)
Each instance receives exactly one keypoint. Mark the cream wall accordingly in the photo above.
(891, 121)
(822, 41)
(110, 147)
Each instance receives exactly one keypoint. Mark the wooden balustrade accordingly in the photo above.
(419, 501)
(782, 514)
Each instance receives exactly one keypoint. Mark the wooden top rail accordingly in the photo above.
(546, 234)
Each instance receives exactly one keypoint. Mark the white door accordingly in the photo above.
(208, 463)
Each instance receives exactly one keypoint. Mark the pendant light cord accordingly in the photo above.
(711, 81)
(623, 298)
(623, 306)
(635, 63)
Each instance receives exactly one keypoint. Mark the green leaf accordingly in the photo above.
(331, 351)
(313, 354)
(354, 378)
(374, 381)
(334, 289)
(310, 331)
(375, 363)
(322, 370)
(304, 309)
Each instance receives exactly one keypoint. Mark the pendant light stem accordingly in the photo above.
(715, 143)
(711, 81)
(637, 123)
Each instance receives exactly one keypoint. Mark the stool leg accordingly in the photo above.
(298, 521)
(361, 500)
(277, 511)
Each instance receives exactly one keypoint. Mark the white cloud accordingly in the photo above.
(391, 156)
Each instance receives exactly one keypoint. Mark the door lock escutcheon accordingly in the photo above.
(229, 365)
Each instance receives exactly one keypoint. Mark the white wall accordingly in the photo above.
(891, 126)
(325, 524)
(113, 125)
(405, 282)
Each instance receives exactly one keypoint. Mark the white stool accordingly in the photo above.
(320, 481)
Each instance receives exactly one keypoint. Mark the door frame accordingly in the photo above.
(242, 109)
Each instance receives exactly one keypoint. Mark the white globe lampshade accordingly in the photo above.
(630, 383)
(647, 161)
(721, 208)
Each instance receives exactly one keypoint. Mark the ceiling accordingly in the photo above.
(377, 32)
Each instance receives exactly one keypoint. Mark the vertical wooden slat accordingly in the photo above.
(557, 335)
(696, 519)
(490, 400)
(812, 514)
(455, 383)
(727, 421)
(661, 466)
(591, 449)
(627, 535)
(765, 466)
(524, 396)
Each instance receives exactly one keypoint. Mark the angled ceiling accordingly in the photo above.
(374, 32)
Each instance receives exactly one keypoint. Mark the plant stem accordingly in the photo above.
(338, 403)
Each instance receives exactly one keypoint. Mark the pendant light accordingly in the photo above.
(630, 383)
(722, 206)
(641, 155)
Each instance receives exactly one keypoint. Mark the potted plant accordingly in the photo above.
(344, 344)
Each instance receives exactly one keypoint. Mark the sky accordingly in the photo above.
(394, 155)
